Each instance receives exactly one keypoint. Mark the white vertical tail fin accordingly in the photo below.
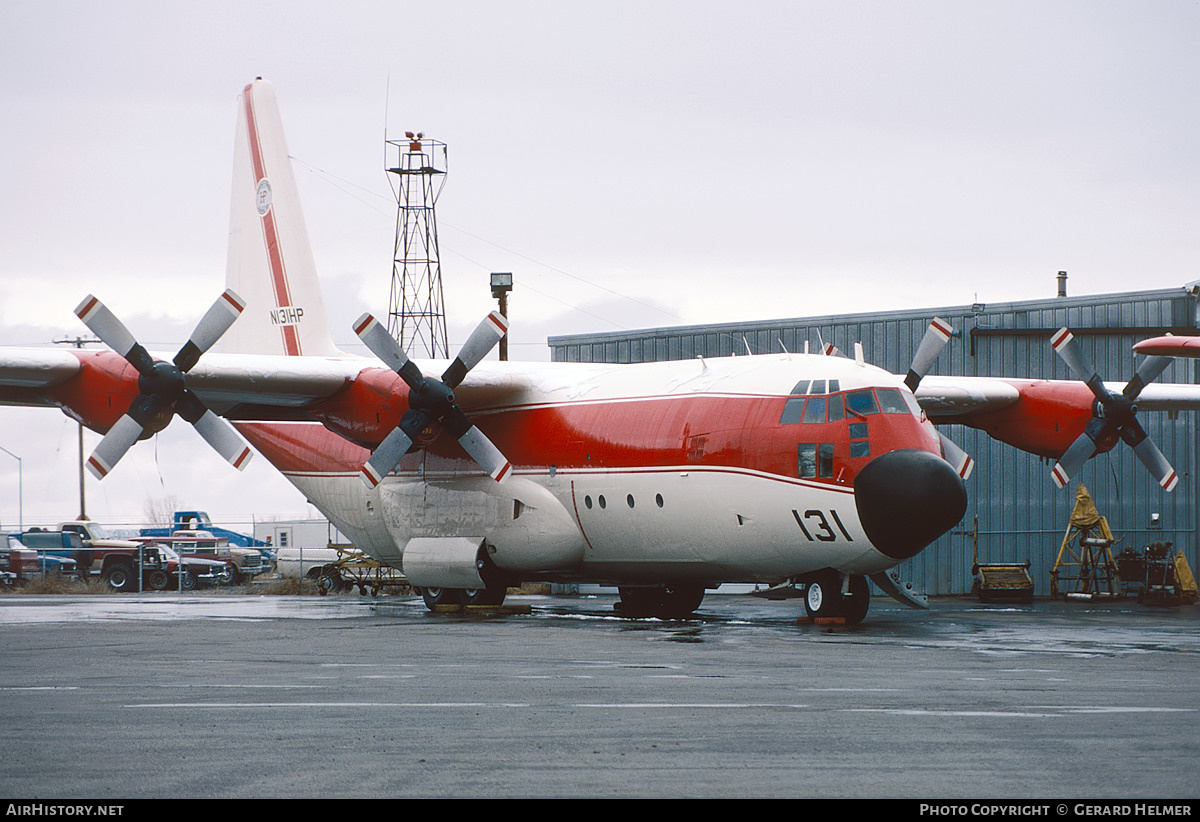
(270, 262)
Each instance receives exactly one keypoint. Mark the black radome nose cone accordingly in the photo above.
(907, 499)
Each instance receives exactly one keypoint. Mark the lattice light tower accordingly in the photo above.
(416, 316)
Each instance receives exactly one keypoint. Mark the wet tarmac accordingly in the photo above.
(221, 695)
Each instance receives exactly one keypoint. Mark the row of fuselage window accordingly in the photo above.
(602, 502)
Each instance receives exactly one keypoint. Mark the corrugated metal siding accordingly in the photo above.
(1021, 515)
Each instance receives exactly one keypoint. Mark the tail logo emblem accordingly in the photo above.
(263, 197)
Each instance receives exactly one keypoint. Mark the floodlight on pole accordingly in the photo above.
(502, 283)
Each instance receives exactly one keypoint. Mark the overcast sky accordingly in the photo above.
(632, 163)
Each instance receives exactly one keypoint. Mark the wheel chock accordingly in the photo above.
(807, 620)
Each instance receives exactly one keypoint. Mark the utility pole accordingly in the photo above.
(80, 342)
(20, 489)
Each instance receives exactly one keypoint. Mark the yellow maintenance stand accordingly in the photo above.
(354, 568)
(1085, 568)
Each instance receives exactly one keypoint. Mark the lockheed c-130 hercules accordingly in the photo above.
(661, 479)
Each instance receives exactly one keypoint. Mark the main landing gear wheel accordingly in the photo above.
(823, 598)
(484, 596)
(664, 602)
(457, 596)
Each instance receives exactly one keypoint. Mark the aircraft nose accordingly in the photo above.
(906, 499)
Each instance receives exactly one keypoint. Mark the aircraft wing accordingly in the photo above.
(227, 382)
(25, 373)
(956, 399)
(1169, 347)
(943, 397)
(236, 386)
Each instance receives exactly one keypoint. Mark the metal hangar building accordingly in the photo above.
(1021, 515)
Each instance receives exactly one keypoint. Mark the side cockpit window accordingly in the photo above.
(891, 401)
(815, 460)
(861, 403)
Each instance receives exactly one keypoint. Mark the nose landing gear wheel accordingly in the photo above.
(823, 598)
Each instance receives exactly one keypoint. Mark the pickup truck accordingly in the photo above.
(115, 560)
(200, 521)
(244, 563)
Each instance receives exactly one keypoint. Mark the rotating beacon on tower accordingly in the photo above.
(416, 313)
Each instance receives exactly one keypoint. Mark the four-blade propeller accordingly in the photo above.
(431, 400)
(1112, 416)
(163, 385)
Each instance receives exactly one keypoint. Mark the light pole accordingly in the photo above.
(20, 489)
(501, 285)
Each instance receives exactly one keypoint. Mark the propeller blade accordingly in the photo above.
(476, 444)
(119, 439)
(105, 325)
(1073, 459)
(486, 454)
(215, 431)
(1077, 361)
(386, 457)
(1147, 373)
(224, 439)
(215, 322)
(959, 459)
(935, 339)
(380, 343)
(482, 340)
(1156, 463)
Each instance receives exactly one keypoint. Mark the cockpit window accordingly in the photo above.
(793, 409)
(892, 401)
(814, 410)
(837, 407)
(861, 403)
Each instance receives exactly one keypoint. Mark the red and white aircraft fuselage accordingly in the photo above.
(663, 479)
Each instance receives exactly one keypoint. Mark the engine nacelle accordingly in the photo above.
(443, 562)
(527, 529)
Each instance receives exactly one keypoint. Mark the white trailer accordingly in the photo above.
(302, 546)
